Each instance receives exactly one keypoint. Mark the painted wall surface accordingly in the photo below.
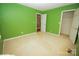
(17, 19)
(54, 16)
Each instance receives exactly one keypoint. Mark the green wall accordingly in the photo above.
(16, 18)
(54, 15)
(1, 41)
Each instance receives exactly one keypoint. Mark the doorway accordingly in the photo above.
(41, 22)
(70, 24)
(66, 25)
(38, 22)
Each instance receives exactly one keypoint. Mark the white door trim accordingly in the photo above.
(60, 23)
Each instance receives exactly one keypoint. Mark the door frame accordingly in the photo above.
(60, 23)
(36, 19)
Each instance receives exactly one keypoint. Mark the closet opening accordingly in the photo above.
(69, 24)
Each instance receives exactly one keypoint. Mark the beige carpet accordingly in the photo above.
(39, 44)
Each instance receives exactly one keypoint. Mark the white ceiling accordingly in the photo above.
(44, 6)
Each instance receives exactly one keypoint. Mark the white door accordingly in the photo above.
(74, 27)
(43, 22)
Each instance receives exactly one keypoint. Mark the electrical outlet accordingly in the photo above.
(21, 32)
